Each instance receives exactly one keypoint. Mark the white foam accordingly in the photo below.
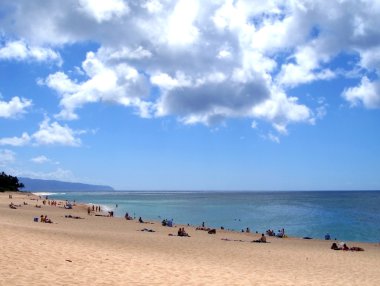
(42, 194)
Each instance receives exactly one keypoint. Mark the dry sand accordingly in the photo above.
(112, 251)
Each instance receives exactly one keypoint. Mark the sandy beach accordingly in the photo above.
(100, 250)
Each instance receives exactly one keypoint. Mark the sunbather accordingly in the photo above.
(262, 239)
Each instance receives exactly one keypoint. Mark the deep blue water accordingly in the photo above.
(346, 215)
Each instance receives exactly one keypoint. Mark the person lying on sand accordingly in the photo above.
(12, 206)
(334, 246)
(73, 216)
(148, 230)
(203, 228)
(262, 239)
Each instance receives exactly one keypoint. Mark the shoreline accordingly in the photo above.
(111, 250)
(297, 232)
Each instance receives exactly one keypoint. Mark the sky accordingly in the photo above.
(191, 94)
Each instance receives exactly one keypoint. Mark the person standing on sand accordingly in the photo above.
(88, 210)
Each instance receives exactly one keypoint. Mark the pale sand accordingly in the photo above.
(113, 251)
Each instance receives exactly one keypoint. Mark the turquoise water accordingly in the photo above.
(351, 216)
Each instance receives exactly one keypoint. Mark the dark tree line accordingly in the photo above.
(9, 183)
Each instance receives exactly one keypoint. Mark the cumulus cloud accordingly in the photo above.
(15, 107)
(120, 83)
(55, 134)
(49, 133)
(366, 93)
(203, 62)
(19, 50)
(24, 139)
(40, 159)
(102, 10)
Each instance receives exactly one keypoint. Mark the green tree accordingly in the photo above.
(9, 183)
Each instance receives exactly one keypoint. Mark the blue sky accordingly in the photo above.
(192, 95)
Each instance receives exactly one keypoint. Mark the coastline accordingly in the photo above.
(104, 250)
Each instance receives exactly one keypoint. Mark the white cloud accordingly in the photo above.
(16, 141)
(19, 50)
(48, 134)
(366, 93)
(15, 107)
(121, 84)
(153, 6)
(282, 110)
(6, 157)
(55, 134)
(271, 137)
(40, 159)
(306, 69)
(206, 60)
(254, 125)
(102, 10)
(59, 174)
(181, 29)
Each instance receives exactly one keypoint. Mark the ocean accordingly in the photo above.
(345, 215)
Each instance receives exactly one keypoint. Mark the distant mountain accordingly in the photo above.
(34, 185)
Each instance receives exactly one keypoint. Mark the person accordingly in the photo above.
(345, 247)
(334, 246)
(247, 230)
(88, 210)
(47, 220)
(212, 231)
(182, 232)
(327, 236)
(262, 239)
(140, 220)
(12, 205)
(280, 233)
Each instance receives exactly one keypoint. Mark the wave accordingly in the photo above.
(47, 194)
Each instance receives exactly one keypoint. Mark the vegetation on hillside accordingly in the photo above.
(9, 183)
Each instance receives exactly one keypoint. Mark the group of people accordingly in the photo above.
(167, 222)
(182, 232)
(93, 209)
(45, 219)
(343, 246)
(50, 203)
(280, 233)
(13, 206)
